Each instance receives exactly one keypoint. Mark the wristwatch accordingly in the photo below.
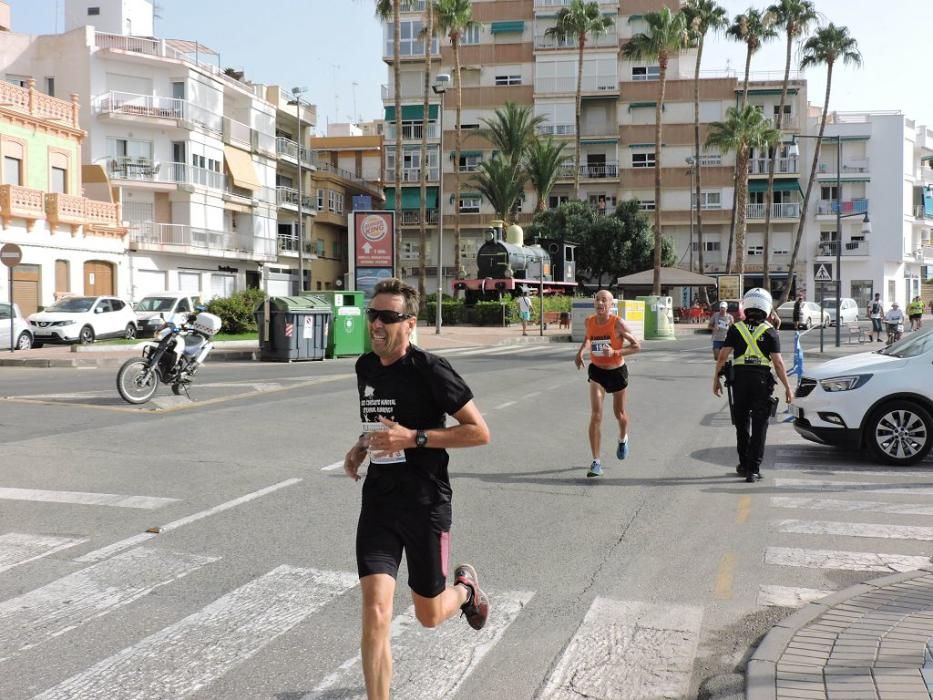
(421, 438)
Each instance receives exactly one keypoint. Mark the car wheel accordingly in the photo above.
(130, 331)
(24, 342)
(899, 432)
(809, 323)
(86, 336)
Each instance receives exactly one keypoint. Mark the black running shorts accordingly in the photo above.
(612, 380)
(422, 531)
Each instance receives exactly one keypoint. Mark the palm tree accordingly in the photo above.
(795, 17)
(703, 16)
(454, 17)
(543, 166)
(667, 35)
(512, 130)
(742, 130)
(576, 21)
(502, 185)
(384, 10)
(754, 28)
(829, 45)
(428, 37)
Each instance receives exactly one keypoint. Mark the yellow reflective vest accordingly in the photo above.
(753, 356)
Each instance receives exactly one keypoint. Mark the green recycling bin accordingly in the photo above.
(659, 316)
(348, 333)
(293, 328)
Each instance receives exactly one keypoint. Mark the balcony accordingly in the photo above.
(151, 107)
(412, 217)
(360, 183)
(39, 105)
(591, 83)
(596, 171)
(849, 165)
(412, 174)
(21, 203)
(412, 132)
(829, 207)
(557, 129)
(827, 249)
(286, 148)
(71, 210)
(288, 198)
(237, 134)
(923, 212)
(779, 210)
(607, 40)
(146, 170)
(288, 243)
(782, 166)
(150, 235)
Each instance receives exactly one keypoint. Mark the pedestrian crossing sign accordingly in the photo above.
(823, 275)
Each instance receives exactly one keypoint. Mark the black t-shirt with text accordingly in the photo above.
(418, 391)
(768, 343)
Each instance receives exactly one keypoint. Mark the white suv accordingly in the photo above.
(83, 320)
(880, 400)
(22, 338)
(154, 310)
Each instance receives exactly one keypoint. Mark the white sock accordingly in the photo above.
(625, 439)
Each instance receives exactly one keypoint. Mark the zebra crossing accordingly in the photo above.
(825, 497)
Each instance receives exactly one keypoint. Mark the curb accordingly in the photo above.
(761, 670)
(45, 363)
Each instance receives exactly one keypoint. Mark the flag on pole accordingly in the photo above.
(797, 367)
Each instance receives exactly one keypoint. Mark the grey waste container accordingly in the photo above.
(296, 328)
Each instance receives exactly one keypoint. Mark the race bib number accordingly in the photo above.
(382, 457)
(600, 347)
(722, 324)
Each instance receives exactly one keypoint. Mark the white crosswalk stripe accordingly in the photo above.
(873, 487)
(113, 500)
(413, 644)
(808, 503)
(847, 561)
(188, 655)
(628, 649)
(788, 596)
(875, 530)
(17, 548)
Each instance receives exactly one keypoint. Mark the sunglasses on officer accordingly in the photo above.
(387, 316)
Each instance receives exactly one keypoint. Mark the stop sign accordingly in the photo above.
(11, 254)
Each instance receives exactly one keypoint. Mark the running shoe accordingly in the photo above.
(476, 609)
(596, 469)
(622, 449)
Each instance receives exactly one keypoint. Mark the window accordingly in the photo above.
(828, 192)
(470, 37)
(12, 171)
(59, 181)
(411, 43)
(50, 87)
(708, 200)
(711, 159)
(646, 72)
(469, 162)
(643, 160)
(335, 250)
(319, 247)
(410, 250)
(93, 11)
(320, 200)
(755, 250)
(646, 204)
(18, 80)
(708, 246)
(222, 285)
(469, 205)
(602, 202)
(508, 80)
(555, 200)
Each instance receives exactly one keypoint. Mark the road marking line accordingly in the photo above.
(17, 548)
(846, 561)
(724, 577)
(504, 405)
(109, 550)
(80, 497)
(532, 395)
(873, 530)
(412, 644)
(332, 467)
(36, 617)
(829, 468)
(807, 503)
(866, 486)
(787, 597)
(743, 509)
(628, 649)
(220, 636)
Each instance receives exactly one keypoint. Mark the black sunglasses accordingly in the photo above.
(387, 316)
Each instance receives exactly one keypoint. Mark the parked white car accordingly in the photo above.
(880, 400)
(809, 314)
(83, 320)
(154, 310)
(848, 310)
(22, 337)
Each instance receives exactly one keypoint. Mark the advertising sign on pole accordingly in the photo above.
(730, 287)
(372, 245)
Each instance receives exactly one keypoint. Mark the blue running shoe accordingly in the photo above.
(596, 469)
(622, 449)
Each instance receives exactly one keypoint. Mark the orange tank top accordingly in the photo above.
(601, 336)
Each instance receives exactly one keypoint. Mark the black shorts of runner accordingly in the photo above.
(915, 317)
(424, 534)
(612, 380)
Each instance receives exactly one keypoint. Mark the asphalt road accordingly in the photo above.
(654, 581)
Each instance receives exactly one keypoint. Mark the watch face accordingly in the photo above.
(421, 438)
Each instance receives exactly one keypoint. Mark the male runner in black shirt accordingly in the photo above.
(405, 394)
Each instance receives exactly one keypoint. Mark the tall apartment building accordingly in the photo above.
(509, 58)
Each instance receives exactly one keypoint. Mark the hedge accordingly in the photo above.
(237, 312)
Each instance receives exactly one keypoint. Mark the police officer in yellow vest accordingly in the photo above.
(757, 349)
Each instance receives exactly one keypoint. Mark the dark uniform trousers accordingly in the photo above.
(751, 394)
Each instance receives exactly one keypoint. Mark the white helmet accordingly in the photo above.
(758, 298)
(206, 324)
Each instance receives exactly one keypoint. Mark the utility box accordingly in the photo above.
(293, 328)
(348, 334)
(659, 316)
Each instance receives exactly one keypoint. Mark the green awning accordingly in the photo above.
(768, 91)
(780, 185)
(641, 145)
(413, 112)
(471, 195)
(411, 198)
(507, 27)
(641, 105)
(599, 141)
(466, 154)
(635, 18)
(848, 138)
(863, 178)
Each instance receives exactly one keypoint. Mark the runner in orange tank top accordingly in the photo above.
(606, 335)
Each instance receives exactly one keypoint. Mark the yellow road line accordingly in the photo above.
(743, 509)
(723, 588)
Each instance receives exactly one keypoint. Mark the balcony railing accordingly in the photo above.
(412, 217)
(557, 129)
(848, 165)
(156, 235)
(829, 248)
(58, 208)
(21, 203)
(759, 166)
(143, 169)
(608, 39)
(779, 210)
(412, 131)
(413, 174)
(600, 170)
(288, 197)
(37, 104)
(288, 243)
(237, 133)
(590, 83)
(324, 166)
(289, 149)
(155, 107)
(923, 212)
(852, 206)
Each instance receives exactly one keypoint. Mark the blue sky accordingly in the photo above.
(328, 45)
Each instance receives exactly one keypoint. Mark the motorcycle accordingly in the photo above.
(174, 359)
(895, 330)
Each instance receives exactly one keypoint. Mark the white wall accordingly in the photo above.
(135, 17)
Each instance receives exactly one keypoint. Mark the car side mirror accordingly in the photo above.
(99, 310)
(200, 307)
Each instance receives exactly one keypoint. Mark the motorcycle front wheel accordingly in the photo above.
(136, 381)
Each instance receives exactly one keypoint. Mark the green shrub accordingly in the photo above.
(238, 311)
(451, 312)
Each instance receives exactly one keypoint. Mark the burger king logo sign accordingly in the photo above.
(374, 228)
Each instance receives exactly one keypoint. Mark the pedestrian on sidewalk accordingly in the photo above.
(719, 323)
(605, 337)
(798, 306)
(757, 349)
(525, 308)
(405, 394)
(875, 313)
(915, 314)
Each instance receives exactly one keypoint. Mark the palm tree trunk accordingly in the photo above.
(397, 79)
(769, 194)
(457, 145)
(696, 162)
(741, 208)
(656, 279)
(735, 175)
(576, 166)
(425, 120)
(791, 275)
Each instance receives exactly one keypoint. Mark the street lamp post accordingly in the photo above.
(296, 100)
(691, 162)
(794, 152)
(441, 82)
